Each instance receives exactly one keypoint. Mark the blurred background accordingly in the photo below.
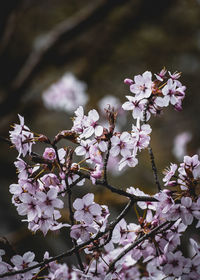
(101, 42)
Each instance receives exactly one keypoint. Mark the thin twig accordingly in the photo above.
(116, 221)
(106, 162)
(152, 158)
(153, 165)
(69, 192)
(119, 191)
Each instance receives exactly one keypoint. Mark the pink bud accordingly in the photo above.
(128, 81)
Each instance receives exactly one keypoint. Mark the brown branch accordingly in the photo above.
(154, 168)
(106, 162)
(119, 191)
(55, 258)
(152, 159)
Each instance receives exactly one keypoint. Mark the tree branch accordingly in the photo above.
(119, 191)
(154, 168)
(74, 250)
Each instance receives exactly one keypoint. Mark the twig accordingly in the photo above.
(153, 165)
(106, 162)
(116, 221)
(69, 192)
(119, 191)
(152, 159)
(55, 258)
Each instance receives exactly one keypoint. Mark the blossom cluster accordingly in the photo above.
(66, 94)
(151, 96)
(148, 247)
(94, 139)
(90, 217)
(183, 200)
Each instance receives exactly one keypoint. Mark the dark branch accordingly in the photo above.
(153, 165)
(116, 221)
(120, 191)
(106, 162)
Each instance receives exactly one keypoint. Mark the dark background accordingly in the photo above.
(101, 42)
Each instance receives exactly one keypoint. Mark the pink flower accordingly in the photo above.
(92, 127)
(140, 135)
(83, 149)
(135, 105)
(82, 231)
(86, 209)
(121, 145)
(169, 173)
(22, 262)
(29, 207)
(49, 201)
(143, 85)
(48, 181)
(95, 155)
(128, 81)
(142, 204)
(96, 174)
(174, 265)
(161, 76)
(172, 92)
(175, 76)
(79, 120)
(49, 154)
(131, 161)
(21, 137)
(120, 232)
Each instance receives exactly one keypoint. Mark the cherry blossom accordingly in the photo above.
(21, 137)
(91, 125)
(169, 173)
(174, 265)
(143, 85)
(121, 145)
(21, 262)
(136, 105)
(130, 160)
(82, 231)
(161, 75)
(49, 154)
(86, 209)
